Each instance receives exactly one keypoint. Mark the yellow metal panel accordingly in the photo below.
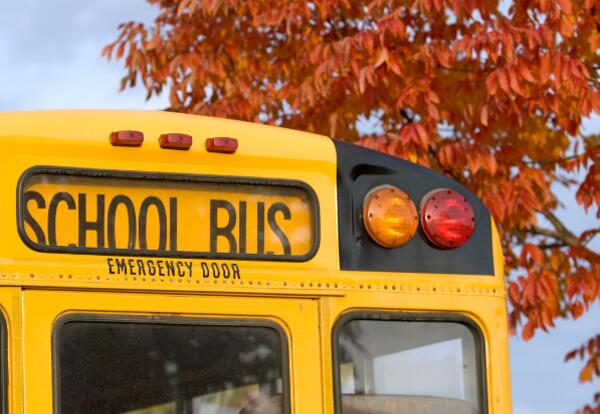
(488, 313)
(297, 318)
(286, 293)
(79, 139)
(10, 306)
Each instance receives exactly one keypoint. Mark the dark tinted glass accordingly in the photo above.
(391, 366)
(151, 368)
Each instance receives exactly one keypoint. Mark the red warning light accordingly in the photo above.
(447, 218)
(221, 144)
(127, 138)
(175, 141)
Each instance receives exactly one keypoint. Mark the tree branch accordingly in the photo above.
(563, 236)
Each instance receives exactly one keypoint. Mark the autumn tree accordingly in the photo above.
(493, 97)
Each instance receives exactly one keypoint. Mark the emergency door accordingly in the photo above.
(134, 353)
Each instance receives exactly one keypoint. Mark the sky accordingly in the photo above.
(50, 59)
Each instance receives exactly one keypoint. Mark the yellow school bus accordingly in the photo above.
(158, 263)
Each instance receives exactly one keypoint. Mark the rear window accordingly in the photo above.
(389, 364)
(171, 367)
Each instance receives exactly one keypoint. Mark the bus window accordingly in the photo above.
(388, 366)
(199, 367)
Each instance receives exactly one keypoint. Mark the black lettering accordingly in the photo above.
(121, 266)
(280, 207)
(260, 230)
(151, 268)
(189, 266)
(173, 223)
(85, 226)
(170, 268)
(28, 218)
(162, 222)
(227, 230)
(180, 271)
(111, 216)
(242, 227)
(111, 269)
(58, 198)
(131, 266)
(161, 269)
(215, 269)
(225, 270)
(236, 271)
(205, 269)
(141, 267)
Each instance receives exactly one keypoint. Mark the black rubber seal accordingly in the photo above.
(166, 320)
(162, 177)
(409, 317)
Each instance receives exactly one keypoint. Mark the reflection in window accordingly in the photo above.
(389, 366)
(151, 368)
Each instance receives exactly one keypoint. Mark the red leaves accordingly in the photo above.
(414, 134)
(443, 57)
(495, 102)
(514, 294)
(531, 256)
(544, 68)
(381, 57)
(589, 353)
(566, 6)
(577, 310)
(588, 192)
(528, 331)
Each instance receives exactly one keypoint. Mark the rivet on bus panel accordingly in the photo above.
(127, 138)
(175, 141)
(224, 145)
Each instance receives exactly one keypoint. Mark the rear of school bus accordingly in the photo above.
(161, 263)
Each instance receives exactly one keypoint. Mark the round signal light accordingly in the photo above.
(390, 216)
(447, 218)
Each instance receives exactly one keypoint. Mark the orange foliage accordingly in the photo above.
(493, 98)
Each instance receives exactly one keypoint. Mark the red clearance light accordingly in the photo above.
(221, 144)
(127, 138)
(175, 141)
(447, 218)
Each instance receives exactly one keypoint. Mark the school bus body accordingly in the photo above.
(304, 296)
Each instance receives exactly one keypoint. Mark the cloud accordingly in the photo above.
(51, 54)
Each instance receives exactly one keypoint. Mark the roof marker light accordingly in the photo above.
(127, 138)
(390, 216)
(224, 145)
(447, 217)
(175, 141)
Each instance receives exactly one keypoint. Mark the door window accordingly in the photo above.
(171, 366)
(417, 366)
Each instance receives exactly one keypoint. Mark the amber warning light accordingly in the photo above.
(390, 216)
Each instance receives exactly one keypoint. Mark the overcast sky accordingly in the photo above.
(50, 59)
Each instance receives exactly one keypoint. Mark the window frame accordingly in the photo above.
(480, 344)
(165, 177)
(167, 320)
(4, 363)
